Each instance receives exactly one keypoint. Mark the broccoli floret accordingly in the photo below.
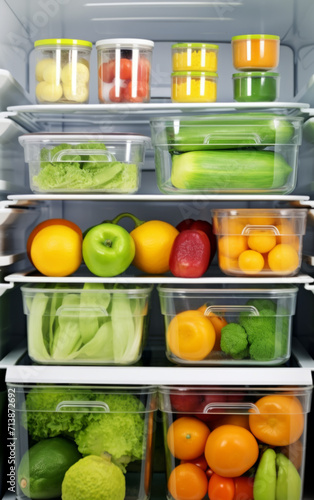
(263, 348)
(234, 341)
(255, 326)
(262, 304)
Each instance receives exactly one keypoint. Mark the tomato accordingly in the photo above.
(115, 95)
(190, 336)
(280, 420)
(130, 94)
(186, 438)
(220, 488)
(185, 402)
(231, 450)
(125, 69)
(294, 452)
(46, 223)
(211, 400)
(107, 71)
(199, 461)
(143, 70)
(243, 488)
(142, 89)
(187, 482)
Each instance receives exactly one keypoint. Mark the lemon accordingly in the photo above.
(42, 468)
(48, 92)
(93, 478)
(78, 72)
(41, 66)
(153, 243)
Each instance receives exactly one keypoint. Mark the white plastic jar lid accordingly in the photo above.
(129, 43)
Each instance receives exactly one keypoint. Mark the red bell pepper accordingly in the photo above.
(201, 225)
(190, 254)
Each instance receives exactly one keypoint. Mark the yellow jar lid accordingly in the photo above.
(62, 42)
(195, 73)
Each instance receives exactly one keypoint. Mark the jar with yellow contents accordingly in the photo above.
(194, 86)
(194, 57)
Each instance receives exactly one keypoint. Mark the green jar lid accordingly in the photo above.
(195, 73)
(255, 73)
(257, 37)
(188, 45)
(62, 41)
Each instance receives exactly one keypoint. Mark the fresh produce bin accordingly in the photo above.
(124, 70)
(252, 439)
(67, 163)
(259, 242)
(255, 52)
(256, 86)
(194, 56)
(194, 86)
(62, 71)
(83, 440)
(92, 324)
(228, 326)
(237, 153)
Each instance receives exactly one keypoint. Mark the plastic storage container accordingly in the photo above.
(194, 86)
(259, 242)
(57, 424)
(194, 57)
(86, 325)
(67, 163)
(255, 52)
(244, 434)
(256, 86)
(62, 70)
(197, 319)
(124, 70)
(239, 153)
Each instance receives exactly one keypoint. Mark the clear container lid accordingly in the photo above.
(255, 37)
(79, 137)
(128, 43)
(207, 74)
(59, 42)
(190, 45)
(256, 74)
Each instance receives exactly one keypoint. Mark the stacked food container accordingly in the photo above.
(256, 56)
(194, 72)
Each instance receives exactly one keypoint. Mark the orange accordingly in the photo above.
(231, 450)
(233, 226)
(218, 323)
(153, 243)
(190, 336)
(187, 482)
(186, 438)
(283, 259)
(251, 262)
(46, 223)
(226, 264)
(232, 419)
(261, 221)
(279, 421)
(262, 240)
(232, 246)
(56, 250)
(288, 237)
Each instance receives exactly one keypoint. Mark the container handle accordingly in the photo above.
(233, 137)
(249, 228)
(234, 309)
(69, 405)
(73, 311)
(238, 407)
(70, 153)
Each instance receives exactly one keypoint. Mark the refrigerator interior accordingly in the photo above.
(165, 22)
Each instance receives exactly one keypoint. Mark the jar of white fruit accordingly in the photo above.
(62, 70)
